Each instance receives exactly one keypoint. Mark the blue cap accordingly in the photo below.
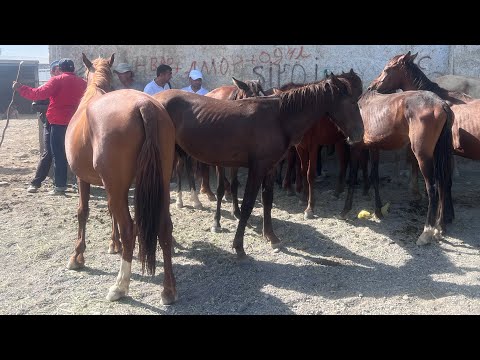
(53, 64)
(66, 65)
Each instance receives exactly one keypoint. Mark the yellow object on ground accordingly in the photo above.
(364, 214)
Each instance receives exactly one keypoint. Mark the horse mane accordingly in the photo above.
(102, 79)
(422, 82)
(290, 86)
(312, 94)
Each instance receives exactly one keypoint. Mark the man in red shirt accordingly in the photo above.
(64, 92)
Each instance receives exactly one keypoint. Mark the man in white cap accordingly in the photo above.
(195, 78)
(125, 75)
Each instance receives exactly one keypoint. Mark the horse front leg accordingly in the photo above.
(256, 173)
(220, 192)
(287, 180)
(374, 178)
(77, 260)
(310, 179)
(267, 202)
(355, 154)
(342, 168)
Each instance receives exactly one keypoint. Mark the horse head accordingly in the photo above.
(399, 73)
(250, 88)
(99, 73)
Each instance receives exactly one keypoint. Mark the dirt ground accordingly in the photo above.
(326, 265)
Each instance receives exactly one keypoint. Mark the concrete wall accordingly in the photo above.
(273, 65)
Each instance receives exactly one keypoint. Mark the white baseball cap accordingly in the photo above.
(123, 68)
(195, 74)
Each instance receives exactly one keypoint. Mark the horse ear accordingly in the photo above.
(240, 84)
(413, 57)
(112, 58)
(86, 62)
(351, 71)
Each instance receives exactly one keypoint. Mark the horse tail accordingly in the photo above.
(149, 197)
(443, 152)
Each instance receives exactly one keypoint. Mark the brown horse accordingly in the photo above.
(112, 139)
(255, 133)
(422, 119)
(402, 73)
(323, 132)
(240, 90)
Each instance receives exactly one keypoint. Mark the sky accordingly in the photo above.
(24, 52)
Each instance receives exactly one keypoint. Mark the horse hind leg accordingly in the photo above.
(77, 260)
(115, 245)
(220, 192)
(234, 187)
(426, 167)
(205, 184)
(191, 180)
(118, 203)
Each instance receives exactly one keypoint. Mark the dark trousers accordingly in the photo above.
(60, 165)
(45, 159)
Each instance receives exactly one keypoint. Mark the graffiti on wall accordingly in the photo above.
(272, 67)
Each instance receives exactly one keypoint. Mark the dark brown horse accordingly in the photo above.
(112, 139)
(255, 133)
(323, 132)
(241, 90)
(422, 119)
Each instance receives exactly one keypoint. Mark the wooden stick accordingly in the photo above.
(11, 102)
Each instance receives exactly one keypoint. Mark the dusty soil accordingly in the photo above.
(326, 265)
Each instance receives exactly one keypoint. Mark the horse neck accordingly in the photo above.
(422, 82)
(296, 122)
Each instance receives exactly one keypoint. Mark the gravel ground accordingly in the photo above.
(326, 266)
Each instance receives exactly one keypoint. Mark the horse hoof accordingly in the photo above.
(424, 239)
(215, 229)
(308, 214)
(198, 206)
(276, 246)
(73, 264)
(115, 293)
(211, 197)
(343, 215)
(179, 205)
(168, 298)
(236, 215)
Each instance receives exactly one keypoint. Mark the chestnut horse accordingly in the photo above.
(112, 139)
(255, 133)
(323, 132)
(422, 119)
